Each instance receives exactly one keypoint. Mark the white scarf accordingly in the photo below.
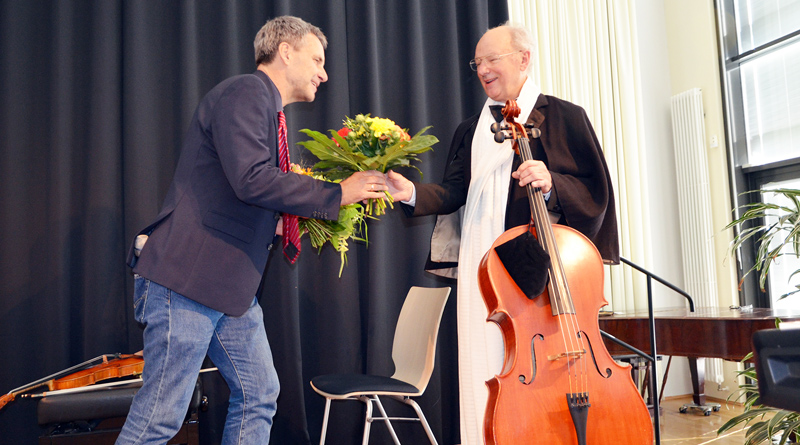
(480, 345)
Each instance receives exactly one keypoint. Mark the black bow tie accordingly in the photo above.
(497, 112)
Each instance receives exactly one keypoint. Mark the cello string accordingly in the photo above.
(573, 342)
(562, 297)
(559, 294)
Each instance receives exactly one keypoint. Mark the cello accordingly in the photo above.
(558, 384)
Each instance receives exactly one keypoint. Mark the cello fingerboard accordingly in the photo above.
(560, 298)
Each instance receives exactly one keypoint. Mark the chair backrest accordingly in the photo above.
(414, 347)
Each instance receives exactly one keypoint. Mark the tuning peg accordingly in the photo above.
(497, 127)
(499, 132)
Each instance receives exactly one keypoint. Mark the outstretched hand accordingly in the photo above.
(400, 188)
(361, 186)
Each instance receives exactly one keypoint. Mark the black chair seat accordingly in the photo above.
(345, 384)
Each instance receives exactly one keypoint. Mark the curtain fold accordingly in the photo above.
(95, 98)
(586, 52)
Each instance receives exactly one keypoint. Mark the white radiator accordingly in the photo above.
(694, 205)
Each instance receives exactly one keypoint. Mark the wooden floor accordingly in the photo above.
(695, 428)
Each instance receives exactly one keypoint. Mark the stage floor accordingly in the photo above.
(693, 428)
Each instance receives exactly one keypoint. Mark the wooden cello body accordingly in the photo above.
(558, 384)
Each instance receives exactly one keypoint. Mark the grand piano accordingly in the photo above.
(707, 332)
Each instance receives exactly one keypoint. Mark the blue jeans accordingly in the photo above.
(178, 334)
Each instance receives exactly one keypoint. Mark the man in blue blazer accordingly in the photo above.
(198, 272)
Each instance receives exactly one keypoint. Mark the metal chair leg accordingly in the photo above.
(421, 416)
(386, 419)
(367, 419)
(325, 421)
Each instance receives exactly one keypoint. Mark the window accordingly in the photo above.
(760, 48)
(771, 99)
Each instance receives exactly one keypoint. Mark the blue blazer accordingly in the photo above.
(211, 240)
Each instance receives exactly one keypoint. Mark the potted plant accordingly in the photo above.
(765, 422)
(776, 230)
(773, 227)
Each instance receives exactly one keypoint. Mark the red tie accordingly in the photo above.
(291, 232)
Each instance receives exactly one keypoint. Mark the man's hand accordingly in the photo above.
(534, 173)
(361, 186)
(400, 187)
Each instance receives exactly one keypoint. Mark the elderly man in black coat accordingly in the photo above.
(483, 194)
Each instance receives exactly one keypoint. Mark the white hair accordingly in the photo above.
(521, 40)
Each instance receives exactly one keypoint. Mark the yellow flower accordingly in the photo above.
(381, 126)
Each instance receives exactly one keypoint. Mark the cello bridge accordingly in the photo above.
(568, 354)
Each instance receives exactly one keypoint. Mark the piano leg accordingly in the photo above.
(697, 369)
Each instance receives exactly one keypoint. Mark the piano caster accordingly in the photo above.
(707, 409)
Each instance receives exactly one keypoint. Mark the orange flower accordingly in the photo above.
(403, 135)
(343, 133)
(300, 170)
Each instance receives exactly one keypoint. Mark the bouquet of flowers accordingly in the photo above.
(363, 143)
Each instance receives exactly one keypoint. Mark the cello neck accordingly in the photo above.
(560, 298)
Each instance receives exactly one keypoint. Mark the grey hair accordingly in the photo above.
(521, 39)
(291, 30)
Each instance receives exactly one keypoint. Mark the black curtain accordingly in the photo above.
(95, 97)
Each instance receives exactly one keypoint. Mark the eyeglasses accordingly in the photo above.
(488, 60)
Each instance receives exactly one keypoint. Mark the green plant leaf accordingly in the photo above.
(762, 422)
(770, 238)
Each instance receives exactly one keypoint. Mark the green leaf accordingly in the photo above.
(770, 237)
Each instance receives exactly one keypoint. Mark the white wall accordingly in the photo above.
(677, 51)
(661, 176)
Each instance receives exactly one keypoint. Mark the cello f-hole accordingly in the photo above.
(608, 372)
(533, 361)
